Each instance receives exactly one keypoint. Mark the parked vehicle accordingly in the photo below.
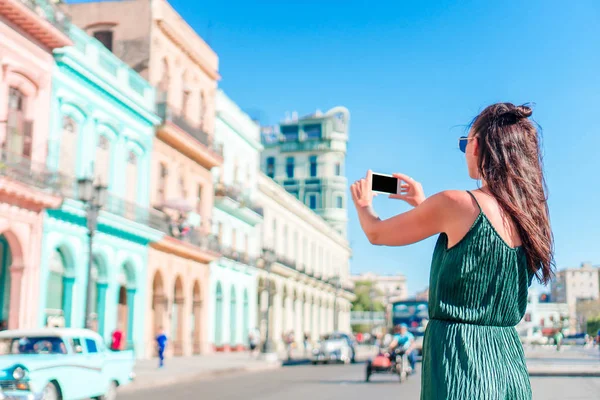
(53, 364)
(337, 347)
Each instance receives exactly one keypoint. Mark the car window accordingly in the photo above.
(91, 346)
(32, 345)
(76, 343)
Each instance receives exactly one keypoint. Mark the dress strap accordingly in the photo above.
(475, 198)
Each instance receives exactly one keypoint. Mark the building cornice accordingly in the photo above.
(276, 192)
(185, 250)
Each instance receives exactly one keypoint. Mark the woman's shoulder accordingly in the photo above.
(454, 200)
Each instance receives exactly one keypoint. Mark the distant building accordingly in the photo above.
(573, 285)
(423, 295)
(390, 286)
(542, 318)
(306, 156)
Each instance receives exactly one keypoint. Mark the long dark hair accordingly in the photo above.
(510, 163)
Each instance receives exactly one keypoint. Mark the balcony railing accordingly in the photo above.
(238, 256)
(134, 212)
(22, 169)
(194, 237)
(50, 12)
(237, 194)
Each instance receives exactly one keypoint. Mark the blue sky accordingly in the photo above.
(413, 74)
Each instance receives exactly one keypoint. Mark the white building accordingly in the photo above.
(573, 284)
(389, 286)
(312, 266)
(236, 218)
(540, 317)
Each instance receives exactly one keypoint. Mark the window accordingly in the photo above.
(312, 160)
(199, 200)
(312, 131)
(132, 177)
(271, 167)
(185, 99)
(76, 344)
(289, 167)
(338, 169)
(182, 186)
(274, 235)
(312, 201)
(246, 243)
(102, 162)
(236, 170)
(106, 38)
(220, 232)
(304, 251)
(285, 240)
(290, 132)
(233, 239)
(91, 346)
(68, 146)
(20, 133)
(340, 202)
(295, 246)
(202, 108)
(162, 183)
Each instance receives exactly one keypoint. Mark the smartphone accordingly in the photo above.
(383, 183)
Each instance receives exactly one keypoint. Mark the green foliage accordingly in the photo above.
(593, 325)
(364, 302)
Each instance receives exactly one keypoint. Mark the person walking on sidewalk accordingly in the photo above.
(117, 337)
(492, 242)
(161, 344)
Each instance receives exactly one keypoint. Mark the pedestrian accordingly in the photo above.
(306, 349)
(558, 337)
(492, 242)
(253, 341)
(161, 344)
(117, 337)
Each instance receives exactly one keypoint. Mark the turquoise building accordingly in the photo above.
(102, 128)
(236, 218)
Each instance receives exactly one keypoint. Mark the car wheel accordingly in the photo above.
(51, 392)
(111, 392)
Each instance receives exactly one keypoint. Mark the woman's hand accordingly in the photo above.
(362, 195)
(411, 191)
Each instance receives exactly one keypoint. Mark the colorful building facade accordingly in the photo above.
(102, 129)
(152, 38)
(29, 32)
(236, 219)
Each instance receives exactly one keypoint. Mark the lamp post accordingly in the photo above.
(269, 258)
(94, 198)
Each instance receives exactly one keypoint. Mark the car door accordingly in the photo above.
(94, 363)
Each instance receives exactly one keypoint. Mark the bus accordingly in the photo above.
(414, 313)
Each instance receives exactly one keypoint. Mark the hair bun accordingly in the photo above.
(522, 111)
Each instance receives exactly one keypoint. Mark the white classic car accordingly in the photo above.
(53, 364)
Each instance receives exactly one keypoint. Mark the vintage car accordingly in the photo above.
(60, 363)
(336, 347)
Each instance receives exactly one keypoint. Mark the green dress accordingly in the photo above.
(477, 294)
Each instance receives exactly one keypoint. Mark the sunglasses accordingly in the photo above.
(462, 143)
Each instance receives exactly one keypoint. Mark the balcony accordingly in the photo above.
(136, 213)
(187, 137)
(233, 200)
(30, 185)
(41, 19)
(238, 256)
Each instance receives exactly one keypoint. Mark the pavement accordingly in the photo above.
(343, 382)
(569, 361)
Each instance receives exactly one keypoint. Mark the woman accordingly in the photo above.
(492, 242)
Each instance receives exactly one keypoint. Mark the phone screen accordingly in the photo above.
(385, 184)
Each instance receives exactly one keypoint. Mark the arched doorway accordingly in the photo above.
(5, 263)
(246, 317)
(233, 318)
(196, 318)
(59, 295)
(159, 304)
(98, 295)
(177, 317)
(126, 302)
(219, 316)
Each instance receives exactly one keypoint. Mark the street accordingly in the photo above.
(329, 382)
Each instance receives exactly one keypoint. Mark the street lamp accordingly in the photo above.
(269, 258)
(94, 197)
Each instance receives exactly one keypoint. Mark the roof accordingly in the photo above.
(48, 332)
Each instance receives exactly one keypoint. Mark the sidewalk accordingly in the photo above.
(569, 361)
(181, 369)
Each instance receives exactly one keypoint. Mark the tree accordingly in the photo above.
(363, 301)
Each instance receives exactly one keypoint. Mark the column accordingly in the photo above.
(130, 313)
(277, 320)
(68, 283)
(16, 278)
(298, 334)
(197, 311)
(314, 331)
(102, 287)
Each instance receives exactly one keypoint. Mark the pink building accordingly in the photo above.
(29, 31)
